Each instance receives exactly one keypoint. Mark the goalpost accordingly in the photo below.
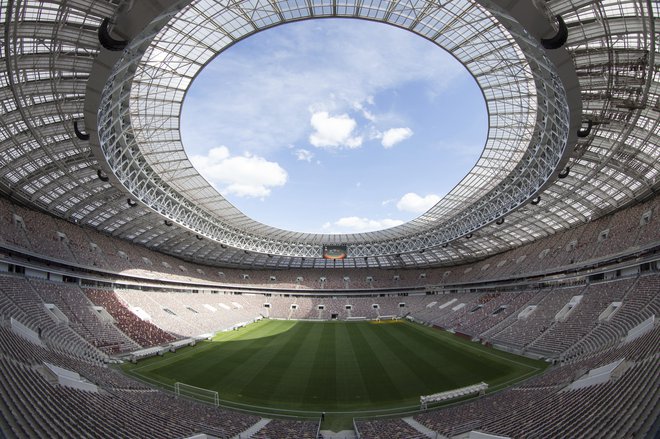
(198, 393)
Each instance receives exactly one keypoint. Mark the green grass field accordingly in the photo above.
(334, 366)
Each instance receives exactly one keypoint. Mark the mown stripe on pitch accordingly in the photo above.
(466, 362)
(429, 367)
(321, 386)
(210, 366)
(377, 379)
(441, 353)
(295, 380)
(351, 388)
(264, 384)
(252, 373)
(401, 370)
(189, 356)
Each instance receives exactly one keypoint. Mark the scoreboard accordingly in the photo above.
(335, 251)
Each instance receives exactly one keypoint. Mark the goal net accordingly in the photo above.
(198, 393)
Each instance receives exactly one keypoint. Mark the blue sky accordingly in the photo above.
(334, 125)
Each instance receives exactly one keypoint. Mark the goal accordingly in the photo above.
(198, 393)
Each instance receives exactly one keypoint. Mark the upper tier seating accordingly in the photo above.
(627, 230)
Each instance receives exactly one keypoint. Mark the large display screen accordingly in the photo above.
(334, 251)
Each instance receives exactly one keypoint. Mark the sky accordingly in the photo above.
(334, 125)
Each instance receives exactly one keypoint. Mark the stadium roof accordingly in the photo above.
(131, 178)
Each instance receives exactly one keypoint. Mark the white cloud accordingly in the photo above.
(247, 175)
(411, 202)
(304, 155)
(365, 112)
(395, 135)
(353, 224)
(333, 131)
(257, 99)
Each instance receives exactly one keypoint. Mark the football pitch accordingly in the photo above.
(334, 366)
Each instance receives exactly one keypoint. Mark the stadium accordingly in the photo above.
(137, 301)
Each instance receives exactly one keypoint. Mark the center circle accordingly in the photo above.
(334, 125)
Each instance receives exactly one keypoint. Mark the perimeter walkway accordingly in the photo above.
(344, 434)
(419, 427)
(252, 430)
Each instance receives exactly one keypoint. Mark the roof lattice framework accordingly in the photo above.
(50, 49)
